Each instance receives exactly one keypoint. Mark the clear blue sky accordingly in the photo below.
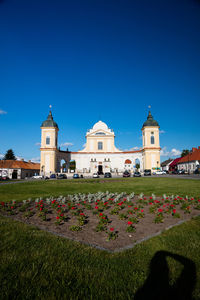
(99, 59)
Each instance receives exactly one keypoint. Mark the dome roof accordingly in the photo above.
(100, 125)
(49, 122)
(150, 121)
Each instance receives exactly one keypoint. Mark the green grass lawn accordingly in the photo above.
(37, 265)
(21, 191)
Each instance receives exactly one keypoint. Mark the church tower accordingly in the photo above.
(48, 150)
(151, 143)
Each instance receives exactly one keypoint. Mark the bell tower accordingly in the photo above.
(151, 143)
(48, 150)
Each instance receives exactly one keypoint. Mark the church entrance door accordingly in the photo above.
(100, 169)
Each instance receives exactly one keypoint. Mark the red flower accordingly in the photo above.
(57, 217)
(142, 210)
(63, 205)
(150, 203)
(150, 198)
(12, 207)
(129, 205)
(135, 208)
(160, 210)
(111, 229)
(40, 208)
(96, 207)
(145, 198)
(61, 215)
(129, 222)
(100, 214)
(73, 207)
(82, 214)
(174, 211)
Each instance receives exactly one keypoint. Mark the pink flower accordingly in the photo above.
(142, 210)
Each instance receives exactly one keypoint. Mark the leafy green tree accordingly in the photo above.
(72, 165)
(137, 166)
(185, 152)
(10, 155)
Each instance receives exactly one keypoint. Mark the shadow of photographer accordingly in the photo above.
(157, 285)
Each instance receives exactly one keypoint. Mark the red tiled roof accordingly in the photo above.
(105, 152)
(175, 161)
(195, 155)
(19, 164)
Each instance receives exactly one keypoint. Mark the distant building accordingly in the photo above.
(100, 153)
(18, 169)
(191, 161)
(174, 164)
(165, 164)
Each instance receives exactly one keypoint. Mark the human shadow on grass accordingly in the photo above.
(157, 286)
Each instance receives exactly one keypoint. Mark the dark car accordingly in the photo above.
(175, 172)
(52, 176)
(76, 176)
(126, 174)
(137, 174)
(5, 178)
(62, 176)
(147, 172)
(107, 175)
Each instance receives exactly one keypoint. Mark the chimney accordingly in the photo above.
(22, 159)
(29, 161)
(194, 149)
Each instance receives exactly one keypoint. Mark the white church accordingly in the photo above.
(100, 153)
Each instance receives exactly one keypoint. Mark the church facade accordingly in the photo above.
(100, 153)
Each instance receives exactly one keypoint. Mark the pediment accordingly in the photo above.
(99, 133)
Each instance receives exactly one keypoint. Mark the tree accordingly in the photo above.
(72, 165)
(185, 152)
(137, 166)
(10, 155)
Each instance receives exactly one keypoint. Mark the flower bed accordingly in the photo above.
(107, 220)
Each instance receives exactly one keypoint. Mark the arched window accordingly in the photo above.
(100, 145)
(48, 140)
(152, 140)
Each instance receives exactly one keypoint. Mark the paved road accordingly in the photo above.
(192, 176)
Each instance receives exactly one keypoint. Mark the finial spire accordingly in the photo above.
(50, 106)
(149, 106)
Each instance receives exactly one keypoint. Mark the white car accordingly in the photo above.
(158, 172)
(95, 175)
(37, 177)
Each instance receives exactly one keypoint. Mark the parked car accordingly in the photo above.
(52, 176)
(95, 175)
(37, 177)
(76, 176)
(62, 176)
(107, 175)
(158, 172)
(181, 171)
(175, 172)
(126, 174)
(5, 178)
(137, 174)
(147, 172)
